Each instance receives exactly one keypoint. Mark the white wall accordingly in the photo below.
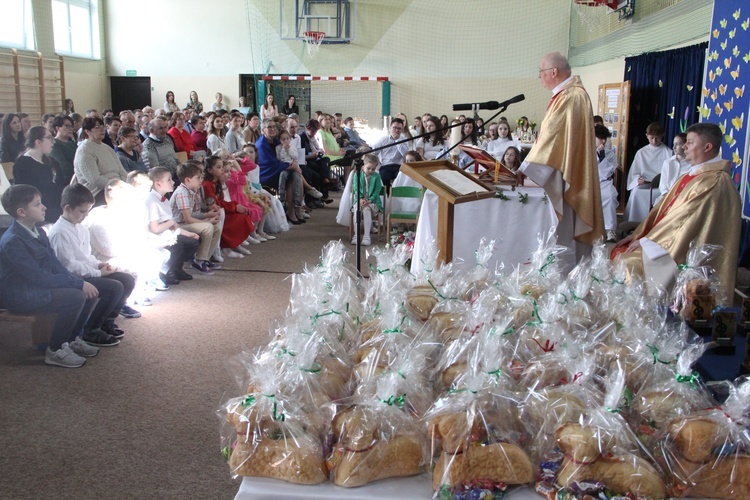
(436, 52)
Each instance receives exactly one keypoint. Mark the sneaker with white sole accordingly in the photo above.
(366, 240)
(64, 357)
(83, 349)
(314, 193)
(202, 267)
(611, 236)
(354, 240)
(231, 254)
(99, 338)
(129, 312)
(242, 250)
(217, 256)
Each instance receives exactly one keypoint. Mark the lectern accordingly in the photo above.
(452, 186)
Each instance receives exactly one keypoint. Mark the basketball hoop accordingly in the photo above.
(313, 40)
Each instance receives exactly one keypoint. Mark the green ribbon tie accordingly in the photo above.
(655, 353)
(248, 401)
(693, 379)
(393, 400)
(550, 260)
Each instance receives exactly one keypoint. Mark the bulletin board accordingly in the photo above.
(725, 100)
(613, 105)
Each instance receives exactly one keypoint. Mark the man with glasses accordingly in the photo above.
(158, 149)
(563, 160)
(391, 158)
(64, 149)
(271, 168)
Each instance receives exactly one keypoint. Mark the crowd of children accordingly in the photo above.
(91, 262)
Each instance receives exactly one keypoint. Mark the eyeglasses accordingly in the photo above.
(48, 137)
(545, 69)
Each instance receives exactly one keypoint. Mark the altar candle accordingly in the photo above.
(455, 134)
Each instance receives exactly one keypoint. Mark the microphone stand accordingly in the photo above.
(356, 159)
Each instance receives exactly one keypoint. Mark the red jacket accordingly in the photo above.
(182, 140)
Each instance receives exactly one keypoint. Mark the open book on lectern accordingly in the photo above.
(489, 163)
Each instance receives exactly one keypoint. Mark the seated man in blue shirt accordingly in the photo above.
(271, 168)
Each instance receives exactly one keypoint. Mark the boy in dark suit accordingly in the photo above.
(33, 281)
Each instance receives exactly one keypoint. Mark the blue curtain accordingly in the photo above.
(665, 87)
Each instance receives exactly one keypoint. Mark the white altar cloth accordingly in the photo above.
(513, 225)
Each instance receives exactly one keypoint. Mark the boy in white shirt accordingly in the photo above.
(181, 243)
(71, 243)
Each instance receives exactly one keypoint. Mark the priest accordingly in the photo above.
(563, 160)
(703, 207)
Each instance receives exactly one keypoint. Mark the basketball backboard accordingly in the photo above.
(336, 18)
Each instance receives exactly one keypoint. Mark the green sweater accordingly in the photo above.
(373, 193)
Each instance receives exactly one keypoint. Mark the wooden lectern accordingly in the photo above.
(452, 186)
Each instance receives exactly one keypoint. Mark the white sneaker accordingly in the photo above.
(64, 357)
(354, 240)
(267, 236)
(217, 255)
(611, 236)
(366, 240)
(83, 349)
(251, 241)
(242, 250)
(314, 193)
(231, 254)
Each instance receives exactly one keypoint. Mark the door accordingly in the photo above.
(130, 92)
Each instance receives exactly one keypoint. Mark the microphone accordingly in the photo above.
(491, 105)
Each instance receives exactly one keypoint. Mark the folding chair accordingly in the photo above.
(401, 216)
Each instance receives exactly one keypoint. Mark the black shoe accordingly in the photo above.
(169, 279)
(328, 200)
(111, 328)
(129, 312)
(99, 338)
(181, 275)
(295, 222)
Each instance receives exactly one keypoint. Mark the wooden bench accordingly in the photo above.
(40, 325)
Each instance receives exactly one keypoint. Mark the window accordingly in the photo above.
(18, 25)
(76, 28)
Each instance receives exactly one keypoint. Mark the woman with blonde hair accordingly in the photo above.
(219, 104)
(326, 139)
(194, 103)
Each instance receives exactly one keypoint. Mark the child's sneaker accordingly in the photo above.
(242, 250)
(202, 267)
(129, 312)
(217, 256)
(354, 240)
(99, 338)
(111, 328)
(213, 265)
(231, 254)
(366, 240)
(83, 349)
(64, 357)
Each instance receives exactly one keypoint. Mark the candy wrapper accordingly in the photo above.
(599, 453)
(708, 453)
(696, 287)
(477, 436)
(271, 436)
(375, 437)
(671, 389)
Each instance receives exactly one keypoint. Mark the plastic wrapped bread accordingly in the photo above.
(600, 452)
(697, 279)
(374, 436)
(707, 453)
